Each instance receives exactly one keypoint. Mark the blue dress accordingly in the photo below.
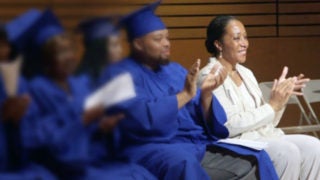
(57, 138)
(14, 161)
(168, 141)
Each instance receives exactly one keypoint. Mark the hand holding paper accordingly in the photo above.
(119, 89)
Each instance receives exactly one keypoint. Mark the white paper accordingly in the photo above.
(119, 89)
(10, 72)
(257, 145)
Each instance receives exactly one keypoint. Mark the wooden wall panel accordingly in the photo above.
(299, 18)
(300, 31)
(299, 7)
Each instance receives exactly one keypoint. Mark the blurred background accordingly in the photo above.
(281, 32)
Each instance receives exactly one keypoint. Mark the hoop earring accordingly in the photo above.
(220, 55)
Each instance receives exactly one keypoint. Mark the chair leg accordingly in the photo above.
(304, 114)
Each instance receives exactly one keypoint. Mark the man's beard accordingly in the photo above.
(155, 63)
(162, 61)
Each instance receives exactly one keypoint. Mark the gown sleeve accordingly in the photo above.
(148, 118)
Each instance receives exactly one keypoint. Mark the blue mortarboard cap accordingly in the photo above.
(47, 27)
(33, 27)
(143, 21)
(97, 28)
(20, 28)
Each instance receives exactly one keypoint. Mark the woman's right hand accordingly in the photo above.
(109, 122)
(14, 108)
(281, 92)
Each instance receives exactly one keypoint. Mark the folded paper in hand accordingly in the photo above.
(10, 72)
(257, 145)
(119, 89)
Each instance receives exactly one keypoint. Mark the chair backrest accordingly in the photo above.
(311, 92)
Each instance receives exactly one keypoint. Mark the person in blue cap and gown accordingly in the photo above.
(172, 127)
(102, 44)
(60, 133)
(14, 108)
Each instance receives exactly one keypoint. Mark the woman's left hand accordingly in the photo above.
(299, 84)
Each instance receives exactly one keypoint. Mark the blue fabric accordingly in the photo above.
(143, 21)
(20, 28)
(15, 165)
(169, 161)
(155, 125)
(117, 170)
(33, 28)
(46, 27)
(97, 28)
(31, 172)
(57, 138)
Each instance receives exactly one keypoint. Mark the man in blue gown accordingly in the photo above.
(59, 133)
(171, 127)
(14, 108)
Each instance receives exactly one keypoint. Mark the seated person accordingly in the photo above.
(171, 127)
(249, 116)
(61, 135)
(102, 43)
(14, 108)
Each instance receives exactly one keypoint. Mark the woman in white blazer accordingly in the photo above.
(248, 115)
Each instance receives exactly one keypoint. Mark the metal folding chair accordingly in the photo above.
(311, 94)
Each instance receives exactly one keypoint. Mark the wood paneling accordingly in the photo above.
(299, 18)
(299, 7)
(299, 31)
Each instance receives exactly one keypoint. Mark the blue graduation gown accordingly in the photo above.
(14, 163)
(154, 124)
(57, 137)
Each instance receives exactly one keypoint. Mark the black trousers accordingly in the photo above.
(222, 164)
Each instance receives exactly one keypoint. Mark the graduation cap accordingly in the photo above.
(33, 28)
(47, 27)
(97, 28)
(143, 21)
(19, 29)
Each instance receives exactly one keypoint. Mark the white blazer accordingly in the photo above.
(245, 122)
